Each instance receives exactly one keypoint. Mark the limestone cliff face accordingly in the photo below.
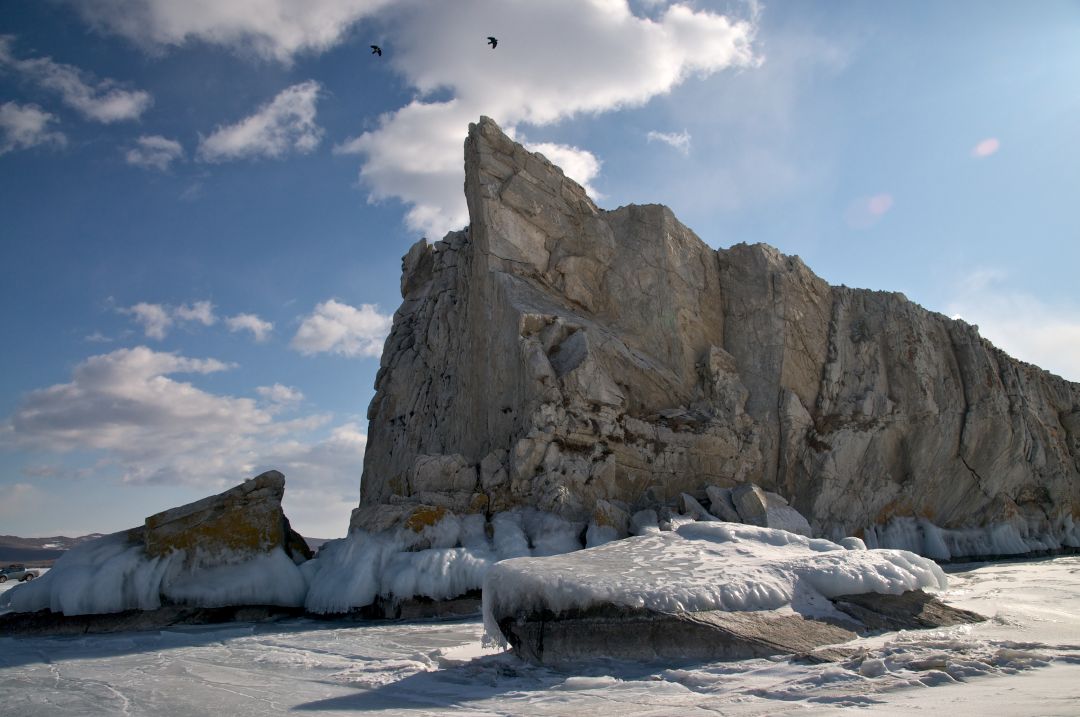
(563, 357)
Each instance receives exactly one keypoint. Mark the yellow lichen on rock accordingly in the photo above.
(425, 516)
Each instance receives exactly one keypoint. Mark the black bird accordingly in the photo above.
(492, 41)
(376, 50)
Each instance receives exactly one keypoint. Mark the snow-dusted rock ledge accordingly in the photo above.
(707, 589)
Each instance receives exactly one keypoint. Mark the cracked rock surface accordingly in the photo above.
(592, 363)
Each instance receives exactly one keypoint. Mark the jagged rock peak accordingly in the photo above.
(583, 362)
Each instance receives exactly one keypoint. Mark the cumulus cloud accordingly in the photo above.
(147, 426)
(154, 152)
(579, 164)
(154, 319)
(271, 29)
(324, 479)
(280, 394)
(25, 126)
(126, 401)
(259, 329)
(286, 123)
(865, 212)
(200, 311)
(157, 319)
(609, 58)
(334, 327)
(102, 101)
(1039, 332)
(985, 148)
(678, 140)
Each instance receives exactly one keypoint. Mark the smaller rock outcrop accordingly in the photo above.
(231, 549)
(243, 520)
(708, 590)
(624, 633)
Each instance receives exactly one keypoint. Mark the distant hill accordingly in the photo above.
(316, 543)
(43, 551)
(14, 549)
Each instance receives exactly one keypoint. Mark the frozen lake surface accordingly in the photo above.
(1025, 660)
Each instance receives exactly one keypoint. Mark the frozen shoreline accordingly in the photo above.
(1024, 660)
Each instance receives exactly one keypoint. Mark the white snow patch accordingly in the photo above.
(703, 566)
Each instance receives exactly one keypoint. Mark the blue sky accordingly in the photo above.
(203, 205)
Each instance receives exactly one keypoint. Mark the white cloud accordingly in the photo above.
(324, 480)
(286, 123)
(272, 29)
(146, 426)
(985, 148)
(125, 401)
(25, 126)
(102, 101)
(157, 319)
(608, 59)
(250, 322)
(154, 319)
(680, 140)
(280, 394)
(1030, 329)
(200, 311)
(154, 152)
(338, 328)
(865, 212)
(580, 165)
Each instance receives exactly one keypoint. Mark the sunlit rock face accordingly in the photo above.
(244, 520)
(570, 359)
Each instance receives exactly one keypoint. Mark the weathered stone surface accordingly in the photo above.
(751, 504)
(633, 634)
(242, 521)
(721, 505)
(568, 355)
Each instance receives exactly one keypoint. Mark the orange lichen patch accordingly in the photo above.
(902, 508)
(230, 530)
(894, 509)
(478, 504)
(398, 485)
(425, 516)
(602, 519)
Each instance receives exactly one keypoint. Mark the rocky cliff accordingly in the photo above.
(593, 363)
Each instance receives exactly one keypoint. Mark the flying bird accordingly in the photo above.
(492, 41)
(376, 50)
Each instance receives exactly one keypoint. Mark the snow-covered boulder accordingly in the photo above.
(235, 548)
(707, 589)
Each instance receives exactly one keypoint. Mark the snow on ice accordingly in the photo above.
(703, 566)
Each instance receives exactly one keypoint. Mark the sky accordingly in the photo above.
(204, 205)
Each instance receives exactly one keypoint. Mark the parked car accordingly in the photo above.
(18, 572)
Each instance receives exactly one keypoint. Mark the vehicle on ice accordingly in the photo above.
(17, 572)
